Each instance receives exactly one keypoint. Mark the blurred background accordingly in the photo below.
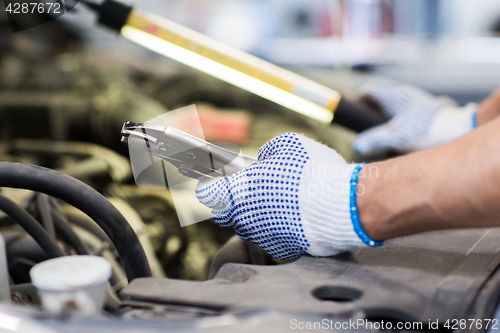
(441, 45)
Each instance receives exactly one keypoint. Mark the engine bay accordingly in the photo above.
(68, 189)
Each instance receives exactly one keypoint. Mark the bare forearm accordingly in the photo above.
(453, 186)
(489, 109)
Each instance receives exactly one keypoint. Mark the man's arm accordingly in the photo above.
(489, 109)
(300, 197)
(452, 186)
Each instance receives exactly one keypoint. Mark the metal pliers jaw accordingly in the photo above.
(192, 156)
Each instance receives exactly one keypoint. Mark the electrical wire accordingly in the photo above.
(63, 226)
(43, 207)
(54, 220)
(88, 224)
(31, 226)
(89, 201)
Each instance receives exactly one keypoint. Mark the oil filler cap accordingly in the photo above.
(73, 283)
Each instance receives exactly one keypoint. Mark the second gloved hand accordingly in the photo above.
(418, 120)
(297, 199)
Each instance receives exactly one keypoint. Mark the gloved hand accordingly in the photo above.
(299, 198)
(418, 120)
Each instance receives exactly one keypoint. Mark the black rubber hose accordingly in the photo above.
(68, 234)
(31, 226)
(89, 201)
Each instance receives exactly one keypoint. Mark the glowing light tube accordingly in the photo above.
(231, 65)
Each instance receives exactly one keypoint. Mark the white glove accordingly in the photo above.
(418, 120)
(300, 198)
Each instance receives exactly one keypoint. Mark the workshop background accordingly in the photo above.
(441, 45)
(66, 88)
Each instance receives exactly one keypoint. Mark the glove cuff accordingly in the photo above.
(330, 224)
(358, 229)
(449, 123)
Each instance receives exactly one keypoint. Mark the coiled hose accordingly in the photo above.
(89, 201)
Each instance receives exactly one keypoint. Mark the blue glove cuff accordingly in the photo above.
(354, 210)
(474, 120)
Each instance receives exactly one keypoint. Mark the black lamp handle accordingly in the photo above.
(357, 116)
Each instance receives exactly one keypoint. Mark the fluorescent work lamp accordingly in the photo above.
(221, 61)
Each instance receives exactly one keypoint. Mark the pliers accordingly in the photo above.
(193, 157)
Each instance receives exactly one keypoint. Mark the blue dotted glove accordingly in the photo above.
(418, 120)
(296, 200)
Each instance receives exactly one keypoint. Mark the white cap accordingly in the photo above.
(70, 273)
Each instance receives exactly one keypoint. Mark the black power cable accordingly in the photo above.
(112, 14)
(89, 201)
(31, 226)
(71, 238)
(63, 226)
(42, 203)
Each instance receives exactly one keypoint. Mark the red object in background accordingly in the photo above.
(224, 126)
(218, 126)
(325, 23)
